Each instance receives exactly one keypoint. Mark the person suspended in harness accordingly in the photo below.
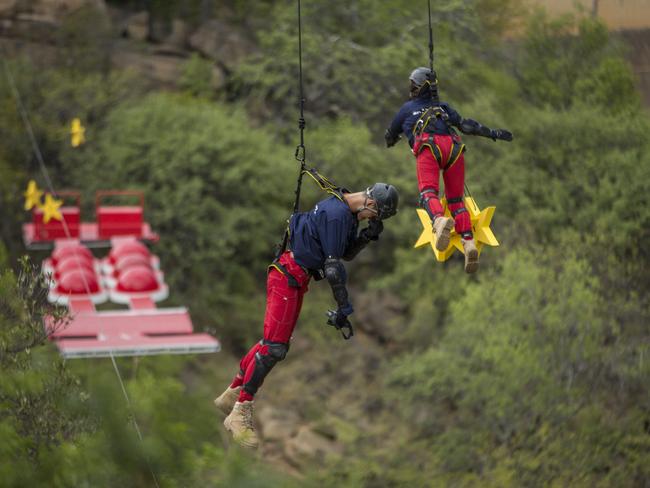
(429, 125)
(318, 242)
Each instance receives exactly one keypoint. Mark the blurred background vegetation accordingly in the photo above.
(534, 372)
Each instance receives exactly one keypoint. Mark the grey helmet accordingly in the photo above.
(386, 198)
(423, 81)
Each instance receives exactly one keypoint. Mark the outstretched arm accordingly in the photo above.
(474, 128)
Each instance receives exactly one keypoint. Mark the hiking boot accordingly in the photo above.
(240, 424)
(471, 255)
(441, 228)
(227, 399)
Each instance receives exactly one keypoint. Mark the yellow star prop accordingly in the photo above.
(480, 226)
(32, 195)
(51, 209)
(77, 132)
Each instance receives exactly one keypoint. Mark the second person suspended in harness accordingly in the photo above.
(429, 125)
(319, 241)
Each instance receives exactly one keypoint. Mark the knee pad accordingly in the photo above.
(426, 195)
(264, 363)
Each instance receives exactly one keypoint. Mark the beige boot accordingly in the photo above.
(227, 399)
(441, 228)
(471, 255)
(240, 423)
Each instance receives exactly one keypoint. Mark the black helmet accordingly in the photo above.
(423, 81)
(386, 198)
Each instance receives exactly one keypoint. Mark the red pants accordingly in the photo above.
(428, 171)
(283, 304)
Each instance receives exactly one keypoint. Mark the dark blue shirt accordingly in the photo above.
(326, 230)
(411, 111)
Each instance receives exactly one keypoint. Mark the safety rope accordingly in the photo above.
(430, 39)
(467, 192)
(46, 176)
(300, 148)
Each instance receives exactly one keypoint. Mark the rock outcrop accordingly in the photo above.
(221, 42)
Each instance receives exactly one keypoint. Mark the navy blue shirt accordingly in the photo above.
(411, 111)
(326, 230)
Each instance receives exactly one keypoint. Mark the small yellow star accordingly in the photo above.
(77, 130)
(32, 195)
(51, 209)
(481, 220)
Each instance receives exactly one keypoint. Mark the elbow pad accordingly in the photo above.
(473, 128)
(337, 277)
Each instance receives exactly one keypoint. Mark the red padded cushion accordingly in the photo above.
(70, 250)
(126, 248)
(75, 281)
(137, 278)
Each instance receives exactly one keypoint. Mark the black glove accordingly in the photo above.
(339, 320)
(371, 233)
(391, 139)
(502, 134)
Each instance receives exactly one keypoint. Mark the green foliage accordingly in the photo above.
(572, 60)
(515, 378)
(197, 77)
(39, 399)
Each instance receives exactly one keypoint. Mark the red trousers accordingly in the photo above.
(283, 304)
(428, 171)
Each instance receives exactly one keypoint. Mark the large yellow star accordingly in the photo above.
(481, 220)
(51, 209)
(77, 130)
(32, 195)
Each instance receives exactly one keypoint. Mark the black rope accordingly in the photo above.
(300, 149)
(430, 39)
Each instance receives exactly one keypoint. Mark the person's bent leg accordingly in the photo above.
(454, 176)
(226, 401)
(282, 310)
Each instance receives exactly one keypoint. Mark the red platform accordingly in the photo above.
(130, 333)
(112, 221)
(144, 329)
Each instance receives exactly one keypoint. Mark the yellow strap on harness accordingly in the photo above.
(324, 184)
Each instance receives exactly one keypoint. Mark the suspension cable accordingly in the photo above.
(430, 38)
(300, 149)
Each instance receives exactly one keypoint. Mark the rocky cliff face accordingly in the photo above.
(135, 40)
(157, 51)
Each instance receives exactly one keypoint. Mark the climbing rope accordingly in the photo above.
(467, 192)
(300, 148)
(430, 39)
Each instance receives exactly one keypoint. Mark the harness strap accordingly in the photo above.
(293, 282)
(455, 200)
(457, 149)
(458, 211)
(435, 112)
(435, 149)
(426, 191)
(325, 184)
